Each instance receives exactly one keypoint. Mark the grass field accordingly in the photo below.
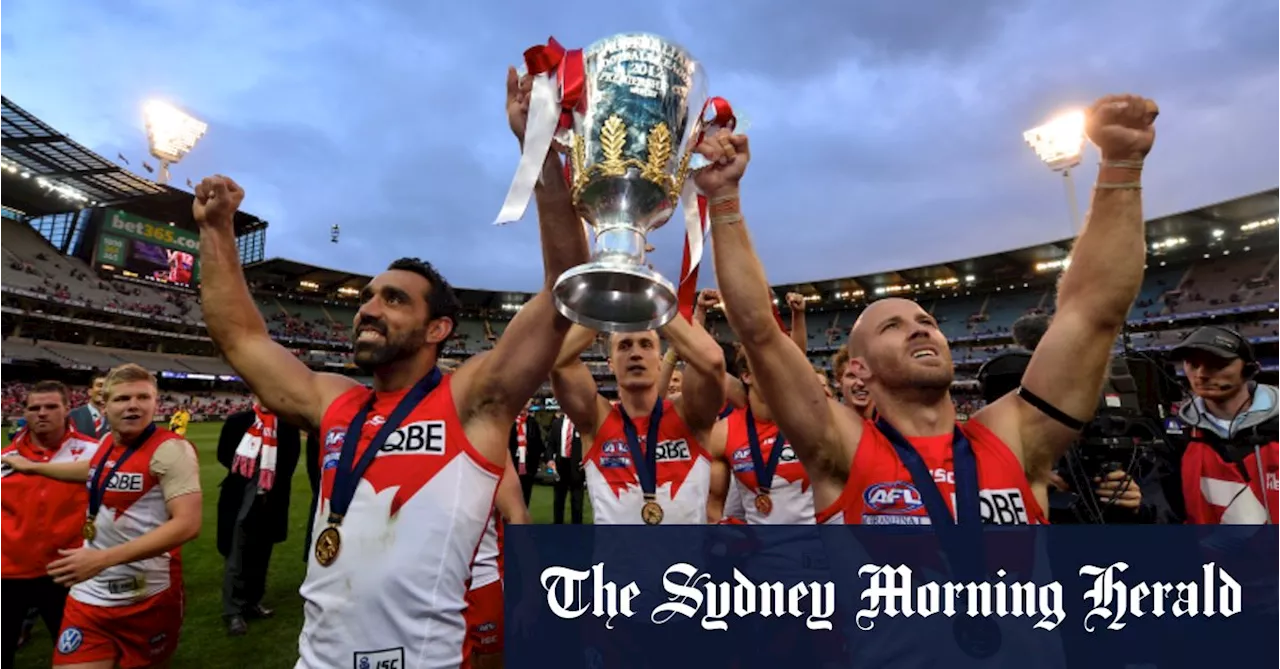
(270, 644)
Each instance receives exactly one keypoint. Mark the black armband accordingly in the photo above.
(1050, 410)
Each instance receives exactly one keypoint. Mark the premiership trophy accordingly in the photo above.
(629, 151)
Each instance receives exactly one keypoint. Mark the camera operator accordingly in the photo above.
(1229, 467)
(1115, 492)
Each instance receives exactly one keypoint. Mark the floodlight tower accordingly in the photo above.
(171, 132)
(1060, 145)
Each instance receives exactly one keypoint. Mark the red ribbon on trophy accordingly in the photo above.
(559, 85)
(567, 64)
(696, 221)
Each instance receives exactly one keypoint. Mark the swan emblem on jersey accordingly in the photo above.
(614, 462)
(740, 462)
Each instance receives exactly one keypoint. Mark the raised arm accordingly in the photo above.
(702, 391)
(506, 377)
(280, 380)
(1095, 294)
(572, 384)
(782, 372)
(799, 328)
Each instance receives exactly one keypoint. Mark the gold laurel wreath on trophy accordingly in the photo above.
(613, 139)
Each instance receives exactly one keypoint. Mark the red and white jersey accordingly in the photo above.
(488, 562)
(683, 472)
(133, 504)
(880, 491)
(396, 593)
(38, 515)
(789, 492)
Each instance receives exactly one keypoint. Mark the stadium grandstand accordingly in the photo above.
(101, 268)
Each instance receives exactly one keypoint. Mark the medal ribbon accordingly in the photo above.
(646, 462)
(347, 478)
(764, 471)
(97, 486)
(968, 563)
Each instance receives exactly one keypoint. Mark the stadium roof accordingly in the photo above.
(1196, 228)
(45, 172)
(291, 276)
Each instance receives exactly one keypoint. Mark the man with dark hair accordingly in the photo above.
(34, 532)
(571, 479)
(1029, 329)
(1003, 373)
(527, 450)
(91, 418)
(391, 452)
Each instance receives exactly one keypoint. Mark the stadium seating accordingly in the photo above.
(318, 332)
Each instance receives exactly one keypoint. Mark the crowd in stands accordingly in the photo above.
(204, 405)
(971, 322)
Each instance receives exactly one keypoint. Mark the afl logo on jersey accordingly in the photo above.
(425, 437)
(895, 497)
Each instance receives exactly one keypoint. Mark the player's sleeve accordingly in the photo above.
(174, 464)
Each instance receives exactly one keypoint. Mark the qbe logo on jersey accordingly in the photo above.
(125, 482)
(425, 437)
(1001, 506)
(673, 451)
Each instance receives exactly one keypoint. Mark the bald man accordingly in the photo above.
(915, 464)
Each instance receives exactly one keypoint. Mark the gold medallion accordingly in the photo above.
(327, 546)
(651, 513)
(90, 530)
(764, 504)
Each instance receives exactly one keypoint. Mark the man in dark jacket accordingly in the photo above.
(261, 454)
(565, 452)
(526, 447)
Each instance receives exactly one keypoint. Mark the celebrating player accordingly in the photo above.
(646, 462)
(34, 532)
(765, 471)
(993, 463)
(410, 465)
(126, 603)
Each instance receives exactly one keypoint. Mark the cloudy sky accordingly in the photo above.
(884, 134)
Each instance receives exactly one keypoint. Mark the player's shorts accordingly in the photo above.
(484, 625)
(135, 635)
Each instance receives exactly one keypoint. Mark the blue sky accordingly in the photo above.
(884, 134)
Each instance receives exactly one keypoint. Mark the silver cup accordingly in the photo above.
(629, 155)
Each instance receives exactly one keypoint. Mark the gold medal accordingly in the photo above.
(764, 503)
(651, 513)
(90, 530)
(327, 546)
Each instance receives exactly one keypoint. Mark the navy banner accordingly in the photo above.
(837, 596)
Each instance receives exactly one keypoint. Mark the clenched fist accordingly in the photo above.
(729, 155)
(708, 299)
(795, 301)
(1121, 126)
(217, 199)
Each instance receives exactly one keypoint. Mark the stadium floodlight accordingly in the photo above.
(171, 132)
(1060, 145)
